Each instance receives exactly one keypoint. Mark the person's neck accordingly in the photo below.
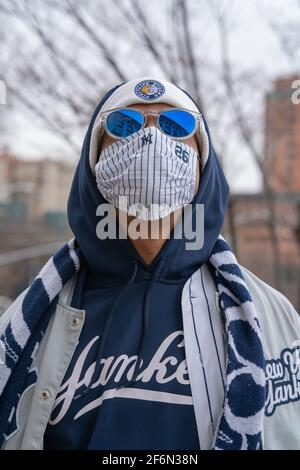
(157, 232)
(148, 249)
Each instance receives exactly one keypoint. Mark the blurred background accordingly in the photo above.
(240, 60)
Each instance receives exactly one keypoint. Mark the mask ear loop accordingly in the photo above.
(200, 163)
(199, 146)
(101, 134)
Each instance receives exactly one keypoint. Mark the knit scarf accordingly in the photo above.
(241, 420)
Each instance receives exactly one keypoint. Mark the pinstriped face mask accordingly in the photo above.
(147, 174)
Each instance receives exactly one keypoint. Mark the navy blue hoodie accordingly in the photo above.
(133, 317)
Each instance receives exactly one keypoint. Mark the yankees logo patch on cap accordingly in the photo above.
(149, 90)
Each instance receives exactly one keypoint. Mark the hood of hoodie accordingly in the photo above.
(112, 259)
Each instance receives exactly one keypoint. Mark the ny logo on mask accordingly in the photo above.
(146, 139)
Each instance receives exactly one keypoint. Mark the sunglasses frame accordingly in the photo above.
(198, 119)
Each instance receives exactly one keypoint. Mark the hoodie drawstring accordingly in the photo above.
(103, 339)
(100, 350)
(155, 275)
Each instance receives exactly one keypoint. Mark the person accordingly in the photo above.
(143, 332)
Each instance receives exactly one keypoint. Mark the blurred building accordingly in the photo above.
(265, 227)
(4, 177)
(33, 201)
(282, 137)
(39, 187)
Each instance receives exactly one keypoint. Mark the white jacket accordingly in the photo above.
(205, 346)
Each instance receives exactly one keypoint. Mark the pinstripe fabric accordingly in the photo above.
(156, 174)
(210, 347)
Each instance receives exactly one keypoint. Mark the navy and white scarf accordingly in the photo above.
(241, 420)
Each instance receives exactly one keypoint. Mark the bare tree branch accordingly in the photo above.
(189, 50)
(96, 39)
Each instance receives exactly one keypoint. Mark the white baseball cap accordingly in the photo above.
(147, 90)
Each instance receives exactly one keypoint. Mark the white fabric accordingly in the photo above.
(147, 174)
(205, 347)
(125, 95)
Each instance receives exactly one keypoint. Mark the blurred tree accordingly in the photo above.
(63, 55)
(60, 56)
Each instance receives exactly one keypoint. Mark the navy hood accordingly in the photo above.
(112, 259)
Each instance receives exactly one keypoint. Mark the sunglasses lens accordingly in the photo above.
(177, 123)
(123, 122)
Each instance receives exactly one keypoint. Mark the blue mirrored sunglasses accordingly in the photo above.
(175, 122)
